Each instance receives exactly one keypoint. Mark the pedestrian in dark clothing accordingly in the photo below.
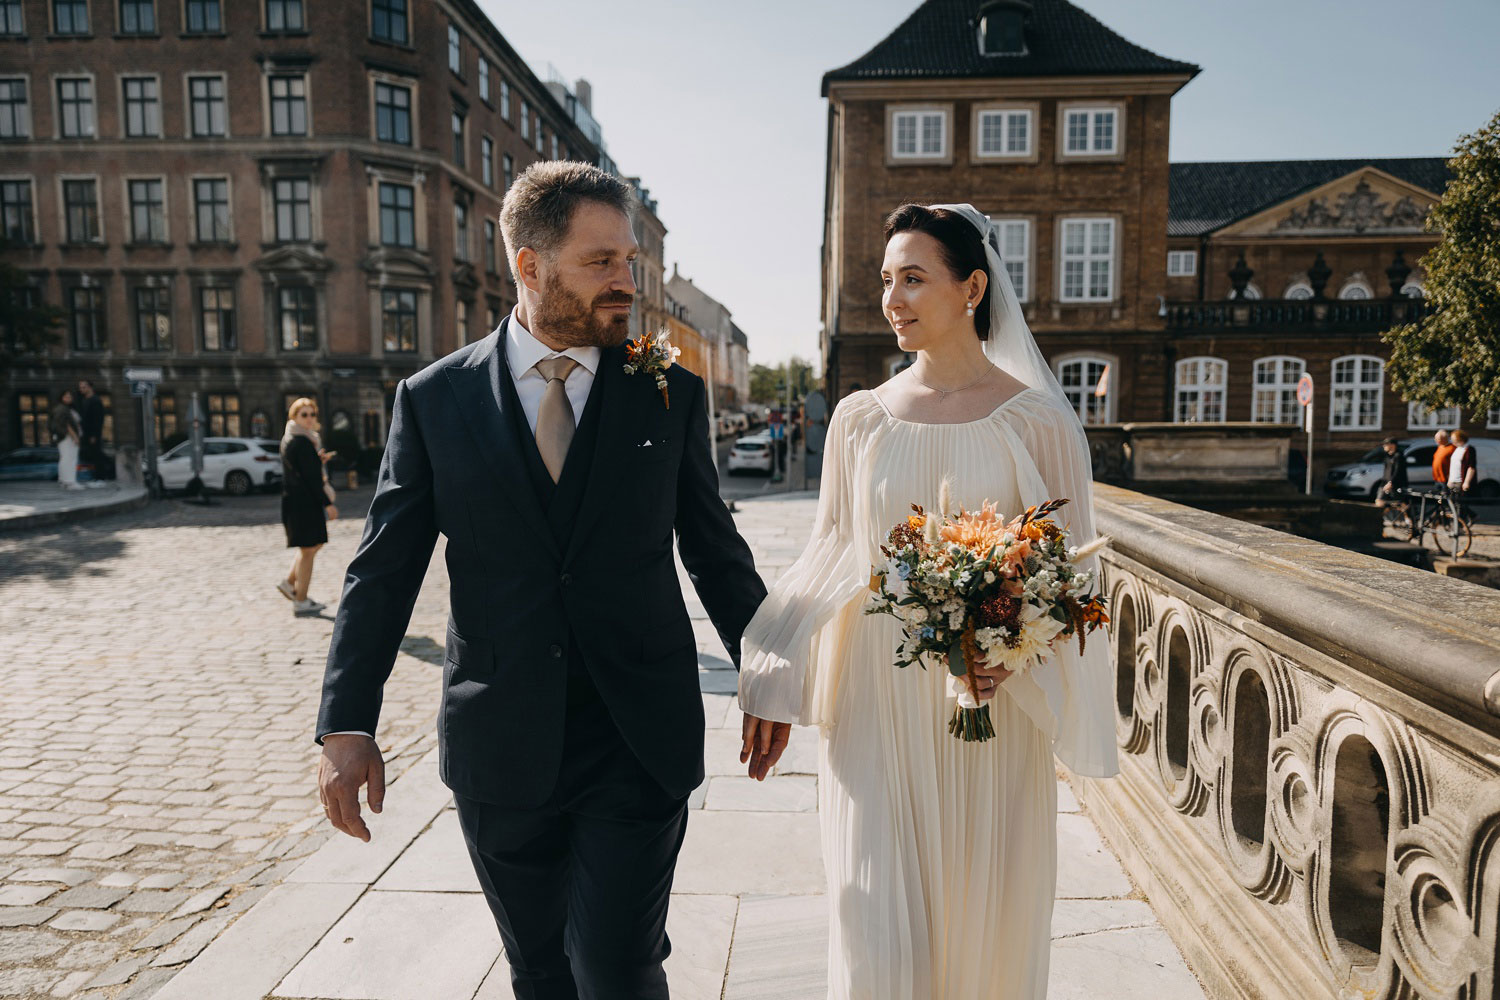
(91, 417)
(1394, 479)
(306, 502)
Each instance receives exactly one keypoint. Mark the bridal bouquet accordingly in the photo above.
(973, 588)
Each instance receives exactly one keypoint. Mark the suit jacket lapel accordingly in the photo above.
(610, 446)
(488, 404)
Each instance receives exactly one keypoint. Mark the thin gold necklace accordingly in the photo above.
(945, 393)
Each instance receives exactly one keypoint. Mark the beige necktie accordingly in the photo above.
(554, 418)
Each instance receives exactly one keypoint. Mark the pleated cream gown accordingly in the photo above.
(941, 855)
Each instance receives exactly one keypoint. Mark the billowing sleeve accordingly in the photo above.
(792, 648)
(1079, 689)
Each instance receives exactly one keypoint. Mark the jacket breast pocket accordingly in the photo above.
(470, 657)
(658, 451)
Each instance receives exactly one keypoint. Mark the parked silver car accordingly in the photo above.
(1361, 479)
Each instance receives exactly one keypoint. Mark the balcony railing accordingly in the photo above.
(1292, 315)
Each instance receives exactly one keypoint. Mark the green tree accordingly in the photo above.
(27, 325)
(766, 381)
(1452, 357)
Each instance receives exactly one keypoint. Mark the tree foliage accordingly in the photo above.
(1452, 357)
(28, 326)
(767, 381)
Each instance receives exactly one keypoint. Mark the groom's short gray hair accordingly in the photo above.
(539, 206)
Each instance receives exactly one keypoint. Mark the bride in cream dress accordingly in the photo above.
(940, 854)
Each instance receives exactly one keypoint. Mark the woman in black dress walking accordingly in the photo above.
(306, 502)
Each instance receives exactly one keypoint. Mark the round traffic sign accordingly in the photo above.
(1305, 389)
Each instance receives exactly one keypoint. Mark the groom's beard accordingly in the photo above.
(565, 318)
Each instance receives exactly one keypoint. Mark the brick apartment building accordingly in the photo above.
(266, 198)
(1205, 289)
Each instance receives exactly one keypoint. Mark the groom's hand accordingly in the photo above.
(350, 760)
(764, 743)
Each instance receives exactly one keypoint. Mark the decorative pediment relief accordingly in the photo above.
(398, 263)
(1366, 202)
(301, 258)
(464, 278)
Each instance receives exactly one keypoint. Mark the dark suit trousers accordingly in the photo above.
(579, 887)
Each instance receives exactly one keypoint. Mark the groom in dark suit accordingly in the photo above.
(571, 727)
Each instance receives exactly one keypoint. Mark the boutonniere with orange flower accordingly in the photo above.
(652, 355)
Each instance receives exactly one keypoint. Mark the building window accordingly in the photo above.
(461, 322)
(75, 105)
(211, 208)
(70, 17)
(204, 17)
(34, 415)
(398, 320)
(458, 137)
(153, 317)
(393, 113)
(288, 105)
(17, 221)
(455, 51)
(490, 261)
(148, 213)
(388, 21)
(284, 15)
(15, 110)
(1005, 132)
(554, 145)
(292, 198)
(484, 79)
(1420, 418)
(917, 134)
(1090, 131)
(10, 18)
(1182, 263)
(223, 414)
(137, 17)
(1002, 31)
(1200, 390)
(216, 319)
(298, 314)
(1413, 290)
(460, 231)
(1088, 260)
(1298, 291)
(1015, 251)
(81, 210)
(540, 146)
(209, 115)
(1356, 289)
(487, 161)
(165, 417)
(86, 318)
(525, 120)
(1085, 381)
(1358, 388)
(1275, 399)
(505, 99)
(397, 215)
(142, 107)
(1493, 421)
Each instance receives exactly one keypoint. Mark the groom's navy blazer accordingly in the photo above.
(526, 598)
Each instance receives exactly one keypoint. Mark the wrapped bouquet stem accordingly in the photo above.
(975, 590)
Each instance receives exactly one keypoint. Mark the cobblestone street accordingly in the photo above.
(157, 699)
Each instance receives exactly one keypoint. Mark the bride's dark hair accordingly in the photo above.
(963, 248)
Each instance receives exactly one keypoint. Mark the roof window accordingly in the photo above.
(1002, 27)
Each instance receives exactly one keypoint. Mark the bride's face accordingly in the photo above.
(923, 302)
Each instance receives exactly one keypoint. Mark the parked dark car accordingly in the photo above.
(29, 463)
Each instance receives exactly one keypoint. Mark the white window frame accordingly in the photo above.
(920, 117)
(1492, 421)
(187, 104)
(1005, 114)
(1355, 386)
(1268, 399)
(56, 82)
(1009, 227)
(1187, 263)
(192, 202)
(1092, 129)
(1103, 413)
(1087, 258)
(1203, 387)
(272, 72)
(1420, 418)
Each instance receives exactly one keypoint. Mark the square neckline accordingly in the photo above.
(950, 423)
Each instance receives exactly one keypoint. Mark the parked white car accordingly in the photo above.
(230, 465)
(1361, 479)
(752, 454)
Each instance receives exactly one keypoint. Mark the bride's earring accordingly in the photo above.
(970, 310)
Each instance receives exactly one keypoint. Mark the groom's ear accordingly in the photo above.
(528, 268)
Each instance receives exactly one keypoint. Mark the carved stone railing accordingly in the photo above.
(1310, 315)
(1310, 763)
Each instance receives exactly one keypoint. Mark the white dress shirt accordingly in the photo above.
(522, 352)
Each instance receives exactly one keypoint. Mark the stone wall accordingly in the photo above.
(1310, 766)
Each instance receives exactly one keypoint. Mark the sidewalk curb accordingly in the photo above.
(23, 522)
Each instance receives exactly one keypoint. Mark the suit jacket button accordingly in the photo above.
(556, 652)
(567, 579)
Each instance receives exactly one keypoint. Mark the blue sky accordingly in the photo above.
(715, 105)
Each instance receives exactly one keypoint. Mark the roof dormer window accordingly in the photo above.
(1002, 28)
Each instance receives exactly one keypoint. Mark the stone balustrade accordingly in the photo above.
(1310, 758)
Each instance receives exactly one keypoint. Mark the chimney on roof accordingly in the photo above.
(584, 91)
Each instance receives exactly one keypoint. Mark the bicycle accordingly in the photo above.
(1439, 512)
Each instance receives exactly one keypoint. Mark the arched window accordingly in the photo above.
(1414, 290)
(1355, 403)
(1356, 288)
(1252, 291)
(1087, 381)
(1200, 390)
(1420, 418)
(1297, 291)
(1275, 399)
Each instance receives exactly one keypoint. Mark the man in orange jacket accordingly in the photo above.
(1440, 457)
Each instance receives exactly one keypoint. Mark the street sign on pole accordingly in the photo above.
(1305, 389)
(139, 374)
(1305, 397)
